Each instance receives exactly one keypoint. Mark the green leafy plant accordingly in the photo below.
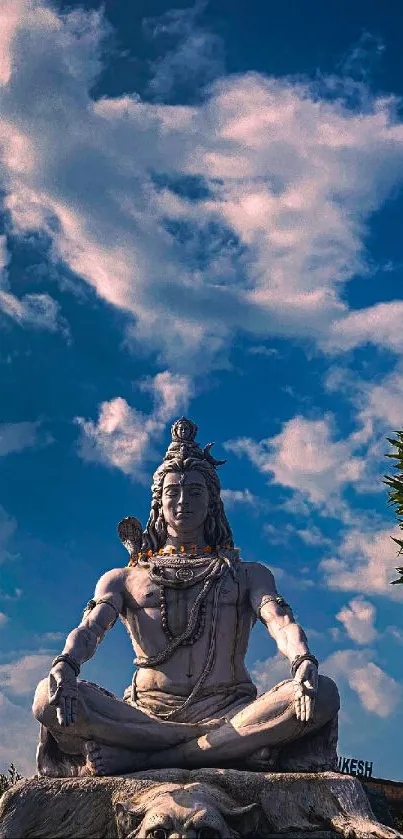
(8, 779)
(395, 492)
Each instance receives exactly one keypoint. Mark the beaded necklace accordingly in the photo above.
(211, 576)
(184, 579)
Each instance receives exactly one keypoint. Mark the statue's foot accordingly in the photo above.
(110, 760)
(51, 762)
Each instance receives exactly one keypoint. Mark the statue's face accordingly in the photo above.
(185, 501)
(183, 431)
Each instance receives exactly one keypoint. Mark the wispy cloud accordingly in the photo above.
(378, 692)
(234, 497)
(261, 349)
(379, 325)
(19, 731)
(396, 633)
(377, 401)
(4, 595)
(306, 458)
(35, 310)
(364, 562)
(16, 436)
(268, 673)
(195, 57)
(277, 534)
(244, 212)
(20, 677)
(49, 638)
(19, 734)
(312, 536)
(296, 579)
(358, 619)
(3, 619)
(122, 436)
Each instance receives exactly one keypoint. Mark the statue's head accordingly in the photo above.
(183, 430)
(186, 493)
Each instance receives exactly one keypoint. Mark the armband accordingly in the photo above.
(274, 598)
(92, 603)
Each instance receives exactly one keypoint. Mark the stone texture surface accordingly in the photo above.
(231, 802)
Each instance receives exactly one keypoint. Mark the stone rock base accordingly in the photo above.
(227, 802)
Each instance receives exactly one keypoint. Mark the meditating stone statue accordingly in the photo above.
(188, 602)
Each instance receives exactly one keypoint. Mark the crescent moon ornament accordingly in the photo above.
(210, 458)
(130, 533)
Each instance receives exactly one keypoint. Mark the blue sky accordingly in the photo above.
(201, 212)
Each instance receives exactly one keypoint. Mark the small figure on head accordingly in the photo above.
(184, 430)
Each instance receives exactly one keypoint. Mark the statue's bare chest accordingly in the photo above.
(143, 592)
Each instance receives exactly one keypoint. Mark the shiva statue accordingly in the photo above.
(188, 602)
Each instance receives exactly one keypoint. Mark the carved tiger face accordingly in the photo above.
(196, 811)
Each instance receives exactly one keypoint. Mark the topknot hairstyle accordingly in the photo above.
(184, 455)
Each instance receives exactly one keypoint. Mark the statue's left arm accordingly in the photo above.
(290, 638)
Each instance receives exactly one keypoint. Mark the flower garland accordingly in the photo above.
(144, 556)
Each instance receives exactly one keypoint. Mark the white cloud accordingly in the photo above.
(385, 401)
(396, 632)
(297, 579)
(364, 562)
(261, 349)
(358, 619)
(14, 437)
(379, 693)
(379, 324)
(379, 407)
(312, 536)
(119, 438)
(288, 175)
(171, 394)
(278, 535)
(196, 59)
(21, 677)
(19, 733)
(122, 436)
(3, 619)
(49, 637)
(378, 404)
(5, 595)
(233, 497)
(268, 673)
(37, 310)
(305, 458)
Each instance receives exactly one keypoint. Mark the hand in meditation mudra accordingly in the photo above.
(188, 603)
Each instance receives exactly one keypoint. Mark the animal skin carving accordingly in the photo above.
(193, 811)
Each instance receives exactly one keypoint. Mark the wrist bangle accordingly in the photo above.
(299, 659)
(68, 659)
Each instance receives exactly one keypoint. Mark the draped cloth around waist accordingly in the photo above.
(211, 703)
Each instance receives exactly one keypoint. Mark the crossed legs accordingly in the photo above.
(267, 722)
(117, 737)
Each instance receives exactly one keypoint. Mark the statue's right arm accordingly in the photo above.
(82, 641)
